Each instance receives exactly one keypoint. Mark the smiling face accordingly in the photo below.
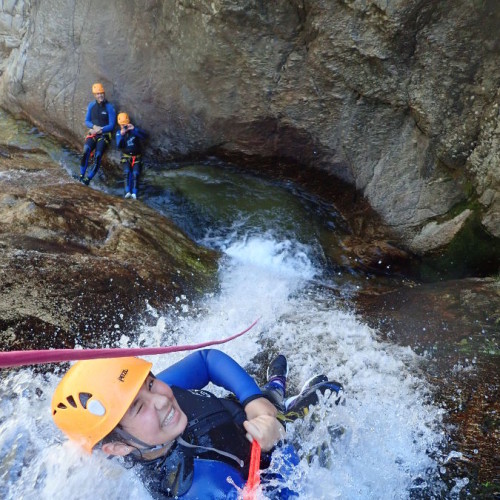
(154, 416)
(99, 97)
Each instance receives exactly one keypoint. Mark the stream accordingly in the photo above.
(386, 440)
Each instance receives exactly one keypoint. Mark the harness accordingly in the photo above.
(127, 157)
(213, 433)
(106, 137)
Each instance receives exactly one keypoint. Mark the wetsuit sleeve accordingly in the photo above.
(120, 140)
(111, 119)
(210, 365)
(138, 132)
(88, 116)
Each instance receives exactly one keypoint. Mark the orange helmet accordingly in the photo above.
(93, 396)
(123, 119)
(97, 88)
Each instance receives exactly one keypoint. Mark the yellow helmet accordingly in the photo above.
(97, 88)
(123, 119)
(94, 395)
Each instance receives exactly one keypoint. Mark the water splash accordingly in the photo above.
(375, 446)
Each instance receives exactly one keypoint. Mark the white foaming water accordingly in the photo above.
(375, 446)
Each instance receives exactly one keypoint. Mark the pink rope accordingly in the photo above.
(21, 358)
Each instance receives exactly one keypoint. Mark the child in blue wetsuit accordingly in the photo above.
(184, 441)
(129, 140)
(100, 119)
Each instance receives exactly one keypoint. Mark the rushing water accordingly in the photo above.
(380, 444)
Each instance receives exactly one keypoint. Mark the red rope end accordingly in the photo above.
(250, 490)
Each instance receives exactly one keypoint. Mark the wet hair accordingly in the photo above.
(112, 437)
(115, 436)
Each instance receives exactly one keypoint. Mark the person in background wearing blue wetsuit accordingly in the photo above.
(184, 441)
(129, 140)
(100, 119)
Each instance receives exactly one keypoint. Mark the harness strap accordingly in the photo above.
(127, 156)
(220, 452)
(106, 137)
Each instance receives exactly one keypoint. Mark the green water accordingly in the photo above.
(214, 204)
(22, 135)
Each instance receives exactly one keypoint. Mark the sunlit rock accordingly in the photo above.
(81, 266)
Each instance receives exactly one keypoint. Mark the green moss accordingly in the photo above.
(469, 190)
(473, 252)
(470, 204)
(478, 346)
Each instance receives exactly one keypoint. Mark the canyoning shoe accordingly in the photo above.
(128, 195)
(314, 380)
(309, 396)
(275, 388)
(134, 196)
(278, 368)
(86, 181)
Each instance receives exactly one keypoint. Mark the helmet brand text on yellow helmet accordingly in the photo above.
(122, 376)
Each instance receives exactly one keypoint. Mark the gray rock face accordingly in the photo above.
(399, 98)
(436, 235)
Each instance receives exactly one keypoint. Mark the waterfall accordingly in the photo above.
(377, 445)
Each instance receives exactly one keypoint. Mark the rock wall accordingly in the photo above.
(399, 98)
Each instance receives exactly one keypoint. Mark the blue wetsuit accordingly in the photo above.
(213, 446)
(131, 145)
(103, 115)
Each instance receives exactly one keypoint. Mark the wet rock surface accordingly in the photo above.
(391, 108)
(79, 266)
(456, 326)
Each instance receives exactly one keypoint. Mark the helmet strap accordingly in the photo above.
(145, 448)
